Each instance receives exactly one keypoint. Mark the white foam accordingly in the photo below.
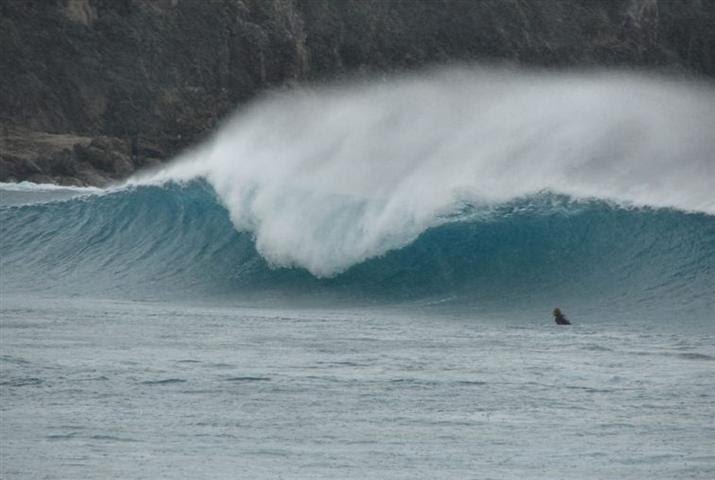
(328, 177)
(45, 187)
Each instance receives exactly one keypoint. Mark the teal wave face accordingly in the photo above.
(178, 242)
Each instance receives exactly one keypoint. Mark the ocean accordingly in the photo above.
(356, 281)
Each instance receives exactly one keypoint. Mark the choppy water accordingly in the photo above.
(99, 389)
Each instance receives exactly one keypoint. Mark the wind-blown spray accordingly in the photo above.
(326, 178)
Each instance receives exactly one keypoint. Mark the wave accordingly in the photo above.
(178, 241)
(327, 178)
(462, 185)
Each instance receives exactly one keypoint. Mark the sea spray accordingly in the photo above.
(325, 178)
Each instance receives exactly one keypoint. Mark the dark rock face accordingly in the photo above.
(166, 71)
(69, 159)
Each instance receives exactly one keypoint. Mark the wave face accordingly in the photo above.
(177, 241)
(467, 186)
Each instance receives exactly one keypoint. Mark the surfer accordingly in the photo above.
(559, 317)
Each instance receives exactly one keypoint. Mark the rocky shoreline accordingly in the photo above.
(93, 90)
(72, 160)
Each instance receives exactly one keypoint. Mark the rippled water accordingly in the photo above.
(99, 389)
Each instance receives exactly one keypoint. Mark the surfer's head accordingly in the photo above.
(557, 312)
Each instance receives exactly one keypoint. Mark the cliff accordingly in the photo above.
(92, 90)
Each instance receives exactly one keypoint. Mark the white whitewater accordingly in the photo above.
(328, 177)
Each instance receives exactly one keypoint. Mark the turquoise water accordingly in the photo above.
(176, 242)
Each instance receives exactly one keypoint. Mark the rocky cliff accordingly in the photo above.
(91, 90)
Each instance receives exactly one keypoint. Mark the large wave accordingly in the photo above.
(467, 186)
(328, 178)
(158, 242)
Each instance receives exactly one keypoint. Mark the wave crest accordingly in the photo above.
(328, 178)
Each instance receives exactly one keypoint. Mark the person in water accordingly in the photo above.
(559, 318)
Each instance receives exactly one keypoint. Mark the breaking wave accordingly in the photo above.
(464, 186)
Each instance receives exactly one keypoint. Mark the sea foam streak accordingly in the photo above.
(327, 178)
